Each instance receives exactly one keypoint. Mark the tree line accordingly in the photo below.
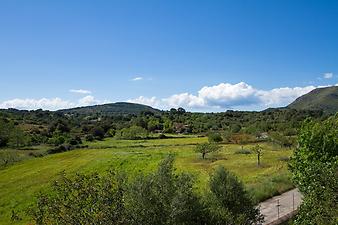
(22, 128)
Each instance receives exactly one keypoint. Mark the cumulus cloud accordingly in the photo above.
(184, 99)
(153, 101)
(209, 98)
(228, 96)
(328, 75)
(88, 100)
(49, 103)
(282, 96)
(80, 91)
(43, 103)
(137, 78)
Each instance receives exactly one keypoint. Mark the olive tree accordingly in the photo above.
(206, 148)
(258, 150)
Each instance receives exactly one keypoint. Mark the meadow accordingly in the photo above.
(20, 182)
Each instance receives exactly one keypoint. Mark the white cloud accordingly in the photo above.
(184, 99)
(153, 101)
(228, 96)
(137, 78)
(328, 75)
(282, 96)
(88, 100)
(43, 103)
(49, 103)
(209, 98)
(80, 91)
(225, 94)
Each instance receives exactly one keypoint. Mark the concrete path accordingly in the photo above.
(288, 203)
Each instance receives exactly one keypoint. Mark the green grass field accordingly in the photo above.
(20, 182)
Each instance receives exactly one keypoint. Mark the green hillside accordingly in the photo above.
(111, 108)
(325, 99)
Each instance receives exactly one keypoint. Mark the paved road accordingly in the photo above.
(288, 201)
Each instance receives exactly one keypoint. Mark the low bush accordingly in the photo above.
(8, 157)
(284, 158)
(243, 151)
(162, 136)
(215, 137)
(132, 133)
(58, 149)
(90, 138)
(36, 154)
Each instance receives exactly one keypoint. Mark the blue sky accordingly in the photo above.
(202, 55)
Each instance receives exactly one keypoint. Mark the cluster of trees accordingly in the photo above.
(314, 168)
(11, 135)
(162, 197)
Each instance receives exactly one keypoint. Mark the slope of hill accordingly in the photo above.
(111, 108)
(325, 99)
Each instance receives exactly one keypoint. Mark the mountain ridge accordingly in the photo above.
(111, 108)
(325, 99)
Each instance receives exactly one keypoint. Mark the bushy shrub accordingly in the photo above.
(243, 151)
(132, 133)
(8, 157)
(98, 133)
(75, 141)
(59, 149)
(89, 137)
(36, 154)
(215, 137)
(162, 136)
(57, 140)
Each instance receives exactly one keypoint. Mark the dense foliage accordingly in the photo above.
(162, 197)
(228, 202)
(314, 168)
(21, 127)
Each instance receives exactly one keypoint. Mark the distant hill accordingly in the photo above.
(111, 108)
(325, 99)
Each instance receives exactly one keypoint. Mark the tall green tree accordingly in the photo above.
(164, 198)
(228, 201)
(5, 132)
(314, 168)
(18, 138)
